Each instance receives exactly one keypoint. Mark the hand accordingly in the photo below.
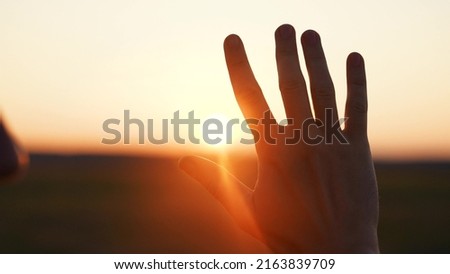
(12, 159)
(319, 198)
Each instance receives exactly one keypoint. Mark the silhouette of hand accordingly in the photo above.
(12, 159)
(319, 198)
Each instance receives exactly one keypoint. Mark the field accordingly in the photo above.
(104, 204)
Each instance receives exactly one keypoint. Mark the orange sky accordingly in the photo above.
(66, 66)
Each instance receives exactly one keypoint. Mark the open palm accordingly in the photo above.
(317, 194)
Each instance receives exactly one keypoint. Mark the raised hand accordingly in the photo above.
(313, 195)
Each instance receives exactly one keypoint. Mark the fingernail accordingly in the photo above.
(355, 60)
(233, 41)
(311, 37)
(286, 31)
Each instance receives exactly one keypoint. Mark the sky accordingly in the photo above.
(67, 66)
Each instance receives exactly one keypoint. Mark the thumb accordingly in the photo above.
(235, 196)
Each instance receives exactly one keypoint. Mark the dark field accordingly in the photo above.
(100, 204)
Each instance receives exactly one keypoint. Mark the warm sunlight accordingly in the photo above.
(228, 130)
(238, 202)
(213, 128)
(66, 67)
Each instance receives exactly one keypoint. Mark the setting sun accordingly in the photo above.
(230, 131)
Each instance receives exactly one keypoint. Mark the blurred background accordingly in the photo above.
(67, 66)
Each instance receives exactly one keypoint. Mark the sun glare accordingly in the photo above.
(219, 131)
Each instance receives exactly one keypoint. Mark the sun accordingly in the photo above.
(218, 130)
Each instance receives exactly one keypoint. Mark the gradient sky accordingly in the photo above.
(66, 66)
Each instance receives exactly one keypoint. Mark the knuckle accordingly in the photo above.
(359, 106)
(323, 93)
(358, 84)
(291, 86)
(286, 52)
(358, 98)
(236, 63)
(249, 94)
(358, 103)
